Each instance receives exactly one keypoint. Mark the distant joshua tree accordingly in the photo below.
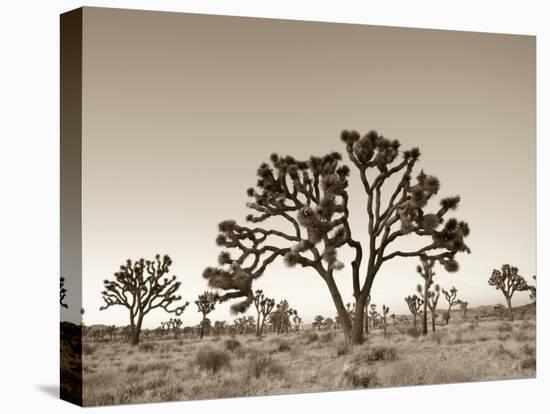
(533, 290)
(373, 314)
(392, 316)
(296, 322)
(174, 325)
(141, 287)
(508, 281)
(206, 303)
(264, 306)
(62, 292)
(450, 297)
(385, 310)
(433, 299)
(367, 305)
(219, 328)
(318, 322)
(464, 307)
(311, 197)
(414, 303)
(328, 323)
(425, 270)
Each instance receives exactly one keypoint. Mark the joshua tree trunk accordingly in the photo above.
(510, 311)
(433, 321)
(202, 325)
(448, 318)
(340, 308)
(136, 331)
(414, 320)
(425, 308)
(258, 330)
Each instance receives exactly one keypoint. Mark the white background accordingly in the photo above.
(29, 218)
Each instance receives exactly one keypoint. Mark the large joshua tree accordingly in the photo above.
(302, 206)
(508, 281)
(264, 306)
(142, 286)
(206, 303)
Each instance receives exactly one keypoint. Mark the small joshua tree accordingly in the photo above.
(508, 281)
(318, 322)
(450, 297)
(533, 290)
(464, 307)
(281, 317)
(141, 287)
(264, 306)
(62, 292)
(414, 303)
(433, 299)
(296, 321)
(385, 310)
(174, 325)
(373, 314)
(328, 323)
(367, 305)
(392, 316)
(206, 303)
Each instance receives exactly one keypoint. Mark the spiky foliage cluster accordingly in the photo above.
(408, 202)
(142, 286)
(206, 302)
(318, 321)
(310, 196)
(62, 292)
(508, 281)
(281, 318)
(264, 306)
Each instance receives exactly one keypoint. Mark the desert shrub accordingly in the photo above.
(155, 366)
(211, 359)
(147, 347)
(132, 368)
(505, 327)
(528, 350)
(521, 336)
(502, 352)
(413, 332)
(437, 337)
(342, 349)
(528, 363)
(260, 365)
(283, 347)
(310, 337)
(327, 337)
(376, 353)
(232, 344)
(358, 375)
(88, 349)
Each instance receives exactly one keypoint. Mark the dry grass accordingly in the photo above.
(116, 373)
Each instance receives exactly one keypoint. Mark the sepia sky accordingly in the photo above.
(179, 111)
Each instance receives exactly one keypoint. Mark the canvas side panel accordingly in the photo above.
(71, 206)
